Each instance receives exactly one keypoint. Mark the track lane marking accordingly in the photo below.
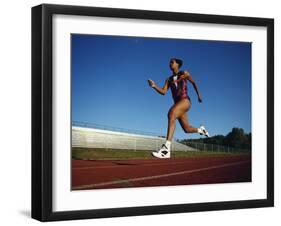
(88, 186)
(118, 166)
(131, 165)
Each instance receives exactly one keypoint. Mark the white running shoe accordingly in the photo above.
(203, 131)
(163, 153)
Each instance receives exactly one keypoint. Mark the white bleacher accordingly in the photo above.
(98, 138)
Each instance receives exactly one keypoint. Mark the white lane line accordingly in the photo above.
(126, 165)
(157, 176)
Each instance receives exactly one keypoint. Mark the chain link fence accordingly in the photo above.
(215, 147)
(158, 140)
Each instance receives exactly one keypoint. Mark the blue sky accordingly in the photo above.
(109, 82)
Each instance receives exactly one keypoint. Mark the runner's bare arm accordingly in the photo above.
(187, 76)
(163, 90)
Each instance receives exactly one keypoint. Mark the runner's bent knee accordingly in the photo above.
(172, 114)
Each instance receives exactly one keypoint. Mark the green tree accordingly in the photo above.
(236, 138)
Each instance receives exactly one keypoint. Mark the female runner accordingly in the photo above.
(182, 103)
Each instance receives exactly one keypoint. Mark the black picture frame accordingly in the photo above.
(42, 111)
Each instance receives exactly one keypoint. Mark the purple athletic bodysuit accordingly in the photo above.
(178, 87)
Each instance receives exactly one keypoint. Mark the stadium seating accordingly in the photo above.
(97, 138)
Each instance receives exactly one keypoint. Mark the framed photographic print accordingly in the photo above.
(138, 112)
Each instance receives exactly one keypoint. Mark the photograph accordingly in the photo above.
(147, 112)
(151, 111)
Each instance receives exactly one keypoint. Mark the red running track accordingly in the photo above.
(101, 174)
